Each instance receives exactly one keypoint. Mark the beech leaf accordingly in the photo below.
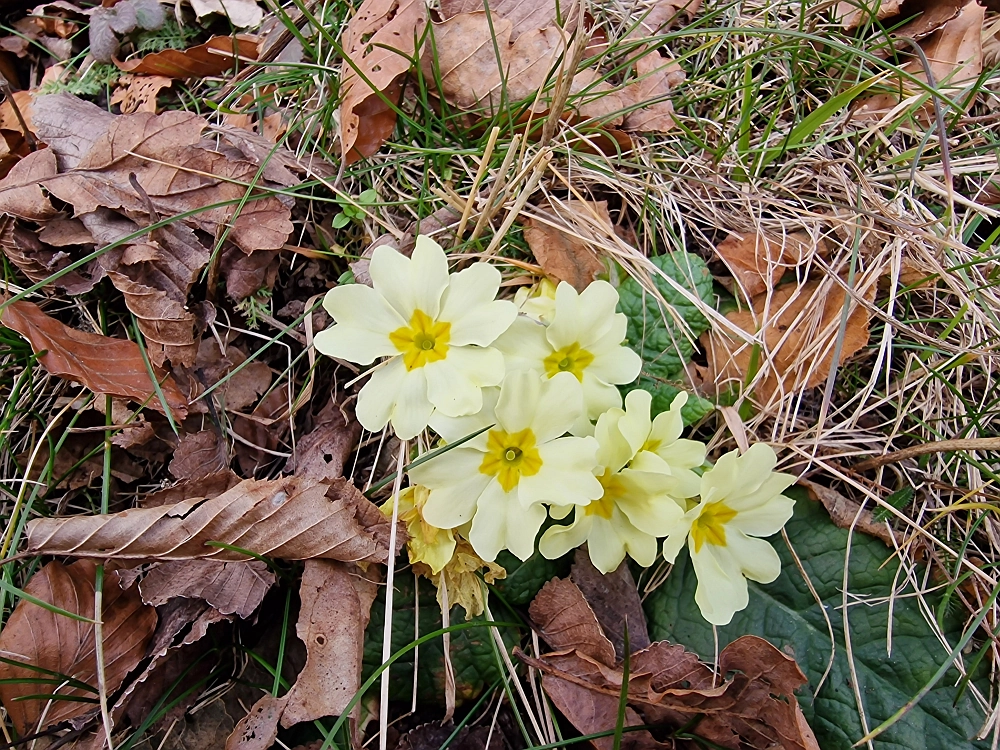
(230, 587)
(214, 57)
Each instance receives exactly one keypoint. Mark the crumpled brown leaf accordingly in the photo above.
(214, 57)
(656, 77)
(752, 706)
(565, 254)
(36, 636)
(799, 326)
(322, 452)
(379, 41)
(199, 455)
(266, 517)
(103, 364)
(230, 587)
(136, 93)
(614, 600)
(757, 261)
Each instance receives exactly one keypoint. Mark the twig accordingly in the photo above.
(29, 137)
(938, 446)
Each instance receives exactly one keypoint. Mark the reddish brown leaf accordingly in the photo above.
(757, 261)
(379, 41)
(216, 56)
(614, 600)
(561, 242)
(592, 712)
(64, 646)
(38, 262)
(230, 587)
(336, 606)
(656, 77)
(267, 517)
(565, 620)
(104, 365)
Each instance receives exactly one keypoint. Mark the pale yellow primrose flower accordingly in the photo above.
(537, 302)
(435, 328)
(427, 544)
(585, 339)
(643, 491)
(740, 500)
(500, 479)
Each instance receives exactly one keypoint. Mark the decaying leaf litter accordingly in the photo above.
(794, 244)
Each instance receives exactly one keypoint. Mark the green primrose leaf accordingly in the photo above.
(341, 220)
(786, 614)
(654, 333)
(471, 653)
(663, 395)
(525, 579)
(367, 197)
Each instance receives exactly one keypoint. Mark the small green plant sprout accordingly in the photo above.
(514, 390)
(353, 211)
(254, 307)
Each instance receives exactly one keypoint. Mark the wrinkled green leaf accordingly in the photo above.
(525, 579)
(663, 395)
(654, 333)
(786, 614)
(472, 655)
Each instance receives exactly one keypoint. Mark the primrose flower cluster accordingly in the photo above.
(534, 382)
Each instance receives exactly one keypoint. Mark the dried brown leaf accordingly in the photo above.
(259, 728)
(592, 712)
(379, 42)
(21, 192)
(53, 642)
(524, 15)
(656, 77)
(799, 326)
(199, 454)
(230, 587)
(241, 13)
(104, 365)
(336, 606)
(565, 620)
(848, 514)
(38, 262)
(615, 601)
(322, 452)
(216, 56)
(138, 93)
(210, 486)
(563, 256)
(433, 735)
(757, 261)
(293, 518)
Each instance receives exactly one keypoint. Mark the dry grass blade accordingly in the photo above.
(294, 518)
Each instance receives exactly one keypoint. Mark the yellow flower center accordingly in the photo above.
(509, 456)
(710, 525)
(613, 491)
(651, 445)
(568, 359)
(424, 340)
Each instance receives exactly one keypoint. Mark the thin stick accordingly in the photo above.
(383, 717)
(484, 164)
(937, 446)
(29, 137)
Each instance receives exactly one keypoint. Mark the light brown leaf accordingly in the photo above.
(21, 192)
(199, 455)
(322, 452)
(848, 514)
(190, 489)
(562, 255)
(214, 57)
(656, 77)
(524, 15)
(565, 620)
(138, 93)
(241, 13)
(104, 365)
(36, 636)
(379, 41)
(292, 519)
(230, 587)
(38, 262)
(663, 16)
(798, 328)
(757, 261)
(336, 606)
(259, 728)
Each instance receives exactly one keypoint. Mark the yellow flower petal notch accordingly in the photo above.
(427, 544)
(500, 479)
(642, 496)
(584, 337)
(435, 330)
(741, 500)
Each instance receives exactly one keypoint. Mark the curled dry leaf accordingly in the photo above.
(321, 453)
(230, 587)
(615, 601)
(336, 607)
(566, 621)
(61, 646)
(565, 254)
(138, 93)
(103, 364)
(848, 514)
(243, 14)
(757, 261)
(798, 327)
(216, 56)
(379, 43)
(38, 261)
(292, 518)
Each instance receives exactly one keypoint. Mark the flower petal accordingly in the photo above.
(456, 428)
(363, 323)
(518, 401)
(451, 390)
(722, 589)
(502, 523)
(606, 548)
(658, 515)
(455, 484)
(598, 396)
(559, 405)
(378, 396)
(635, 423)
(757, 559)
(614, 451)
(582, 318)
(620, 365)
(524, 345)
(566, 474)
(669, 425)
(558, 540)
(414, 283)
(412, 410)
(674, 542)
(639, 545)
(469, 305)
(769, 489)
(766, 519)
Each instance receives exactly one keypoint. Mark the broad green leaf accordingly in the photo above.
(653, 332)
(525, 579)
(663, 395)
(472, 656)
(786, 614)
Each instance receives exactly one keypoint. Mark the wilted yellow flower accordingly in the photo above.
(461, 580)
(499, 479)
(537, 302)
(427, 544)
(434, 328)
(638, 504)
(740, 500)
(584, 339)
